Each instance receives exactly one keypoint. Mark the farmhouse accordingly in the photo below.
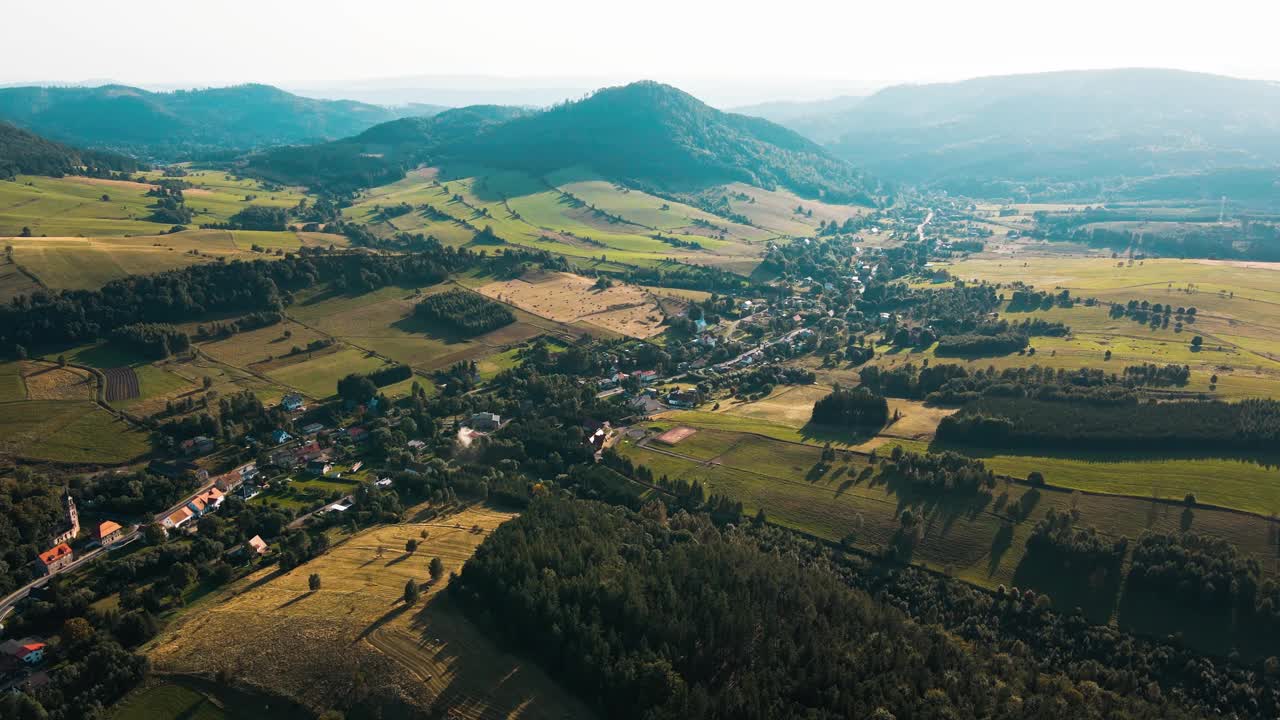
(56, 558)
(109, 532)
(199, 445)
(29, 650)
(485, 421)
(292, 402)
(682, 398)
(178, 517)
(280, 437)
(207, 501)
(256, 546)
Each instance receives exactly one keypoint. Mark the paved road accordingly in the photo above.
(12, 599)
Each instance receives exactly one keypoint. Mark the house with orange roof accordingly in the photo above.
(56, 558)
(109, 532)
(178, 517)
(257, 545)
(207, 501)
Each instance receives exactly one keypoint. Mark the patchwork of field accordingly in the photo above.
(977, 537)
(88, 263)
(311, 646)
(75, 206)
(383, 322)
(578, 214)
(50, 382)
(564, 297)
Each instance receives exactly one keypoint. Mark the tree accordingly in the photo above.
(153, 534)
(181, 575)
(437, 569)
(207, 382)
(410, 592)
(1035, 478)
(76, 632)
(411, 547)
(1196, 343)
(313, 582)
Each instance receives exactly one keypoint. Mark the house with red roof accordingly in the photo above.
(56, 558)
(31, 653)
(178, 517)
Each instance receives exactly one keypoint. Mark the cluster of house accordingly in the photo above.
(201, 504)
(614, 379)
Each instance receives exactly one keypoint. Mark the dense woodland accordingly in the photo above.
(683, 607)
(464, 312)
(854, 408)
(50, 318)
(25, 153)
(1185, 425)
(952, 384)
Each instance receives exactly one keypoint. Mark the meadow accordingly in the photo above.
(311, 645)
(69, 431)
(978, 538)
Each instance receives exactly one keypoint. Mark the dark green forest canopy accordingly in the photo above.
(676, 619)
(23, 152)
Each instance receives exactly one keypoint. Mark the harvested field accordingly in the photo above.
(675, 435)
(50, 382)
(564, 297)
(122, 384)
(312, 645)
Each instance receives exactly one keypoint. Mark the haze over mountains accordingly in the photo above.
(644, 133)
(1064, 134)
(171, 124)
(1053, 127)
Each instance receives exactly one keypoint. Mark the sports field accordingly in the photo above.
(312, 645)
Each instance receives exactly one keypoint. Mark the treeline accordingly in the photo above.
(946, 471)
(851, 408)
(464, 312)
(358, 388)
(951, 384)
(1057, 543)
(1185, 425)
(255, 217)
(245, 323)
(1198, 572)
(154, 340)
(50, 318)
(687, 621)
(973, 344)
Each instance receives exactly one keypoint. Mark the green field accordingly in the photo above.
(11, 385)
(68, 431)
(318, 376)
(180, 698)
(973, 537)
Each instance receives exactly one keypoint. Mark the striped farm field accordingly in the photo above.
(309, 645)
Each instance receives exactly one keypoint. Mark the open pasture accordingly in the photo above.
(46, 381)
(88, 263)
(310, 645)
(564, 297)
(977, 537)
(70, 431)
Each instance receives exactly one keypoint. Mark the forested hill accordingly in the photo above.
(380, 154)
(173, 124)
(23, 152)
(655, 133)
(1061, 127)
(644, 133)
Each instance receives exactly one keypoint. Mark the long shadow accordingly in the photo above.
(1094, 592)
(414, 325)
(1268, 460)
(399, 560)
(1000, 544)
(835, 435)
(298, 599)
(395, 612)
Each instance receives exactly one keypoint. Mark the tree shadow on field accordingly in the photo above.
(400, 559)
(1093, 591)
(472, 653)
(300, 598)
(396, 611)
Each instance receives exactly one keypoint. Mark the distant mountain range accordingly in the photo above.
(1077, 127)
(645, 133)
(23, 152)
(172, 125)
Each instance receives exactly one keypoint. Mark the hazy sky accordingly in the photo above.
(736, 51)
